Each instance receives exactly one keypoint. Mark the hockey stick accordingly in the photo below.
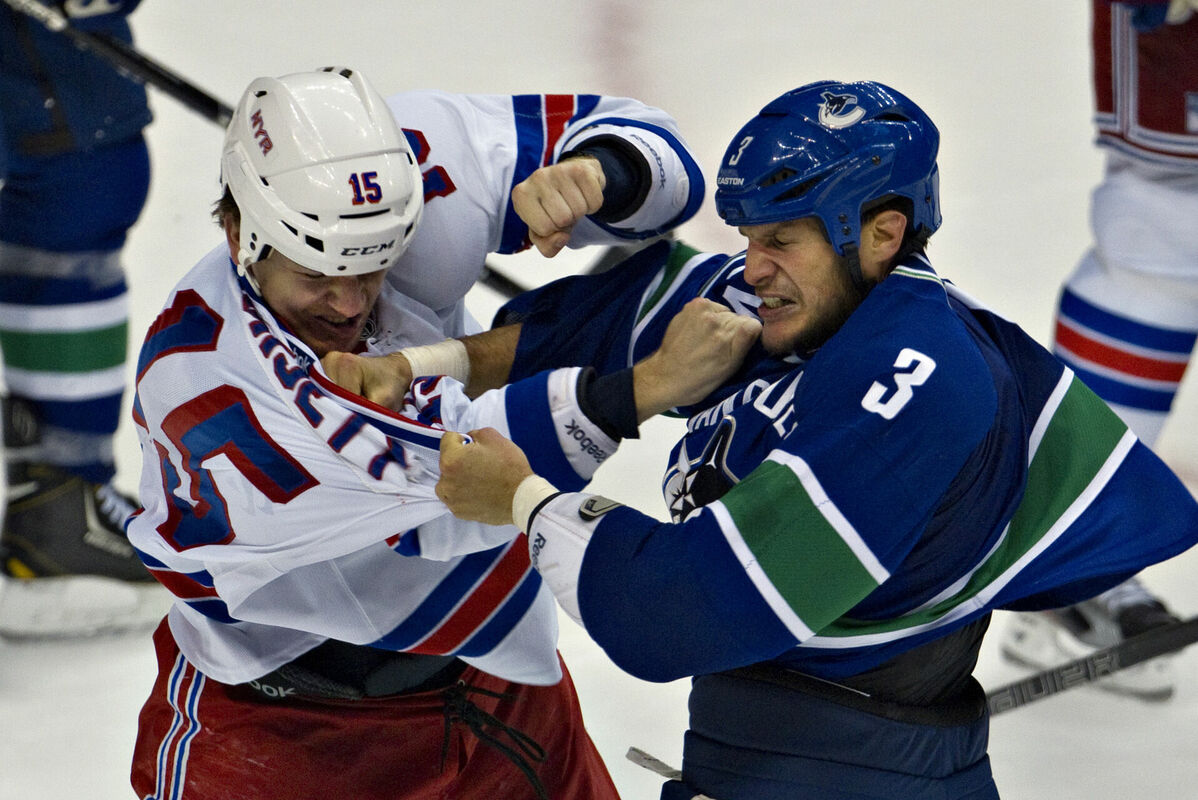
(509, 288)
(140, 68)
(1136, 650)
(127, 60)
(494, 279)
(642, 759)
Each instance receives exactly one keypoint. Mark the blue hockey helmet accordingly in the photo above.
(827, 150)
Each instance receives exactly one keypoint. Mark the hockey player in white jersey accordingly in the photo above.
(1127, 317)
(335, 632)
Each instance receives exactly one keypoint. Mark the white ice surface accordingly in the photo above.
(1008, 85)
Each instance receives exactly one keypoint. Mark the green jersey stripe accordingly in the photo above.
(831, 513)
(907, 272)
(74, 351)
(753, 569)
(1071, 463)
(816, 542)
(680, 255)
(851, 633)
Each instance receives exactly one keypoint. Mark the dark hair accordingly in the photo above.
(226, 206)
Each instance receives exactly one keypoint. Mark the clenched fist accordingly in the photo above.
(554, 198)
(479, 478)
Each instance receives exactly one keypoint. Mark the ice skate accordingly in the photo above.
(66, 566)
(1047, 639)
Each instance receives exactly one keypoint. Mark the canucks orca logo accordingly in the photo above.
(839, 110)
(707, 480)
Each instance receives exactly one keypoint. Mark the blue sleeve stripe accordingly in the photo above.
(26, 291)
(531, 424)
(441, 602)
(587, 103)
(697, 186)
(530, 148)
(1123, 329)
(1113, 391)
(506, 617)
(150, 561)
(213, 609)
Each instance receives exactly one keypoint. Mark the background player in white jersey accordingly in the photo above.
(74, 173)
(848, 508)
(335, 631)
(1127, 318)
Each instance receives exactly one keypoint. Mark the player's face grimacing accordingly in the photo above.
(326, 312)
(805, 291)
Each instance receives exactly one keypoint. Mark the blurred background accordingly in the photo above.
(1008, 85)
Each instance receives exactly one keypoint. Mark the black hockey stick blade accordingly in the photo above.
(129, 61)
(494, 279)
(611, 255)
(1136, 650)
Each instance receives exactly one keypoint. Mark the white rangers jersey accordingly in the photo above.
(282, 511)
(473, 149)
(1146, 86)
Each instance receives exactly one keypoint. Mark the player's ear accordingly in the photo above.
(881, 239)
(232, 235)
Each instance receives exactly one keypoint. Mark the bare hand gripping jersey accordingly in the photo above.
(929, 463)
(282, 511)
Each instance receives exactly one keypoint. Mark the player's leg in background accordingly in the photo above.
(75, 178)
(1127, 322)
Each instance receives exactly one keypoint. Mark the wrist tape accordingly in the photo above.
(443, 358)
(530, 494)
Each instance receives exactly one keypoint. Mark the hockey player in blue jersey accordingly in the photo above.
(74, 175)
(892, 464)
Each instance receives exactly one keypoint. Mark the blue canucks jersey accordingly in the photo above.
(929, 463)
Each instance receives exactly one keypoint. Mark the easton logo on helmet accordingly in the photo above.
(839, 110)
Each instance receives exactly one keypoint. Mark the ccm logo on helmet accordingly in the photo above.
(369, 249)
(264, 143)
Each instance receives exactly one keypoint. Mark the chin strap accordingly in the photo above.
(852, 265)
(244, 262)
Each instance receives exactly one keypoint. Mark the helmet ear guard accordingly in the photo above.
(830, 150)
(321, 173)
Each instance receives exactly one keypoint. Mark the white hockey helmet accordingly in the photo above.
(322, 173)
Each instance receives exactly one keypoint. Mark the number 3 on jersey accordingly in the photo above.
(914, 368)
